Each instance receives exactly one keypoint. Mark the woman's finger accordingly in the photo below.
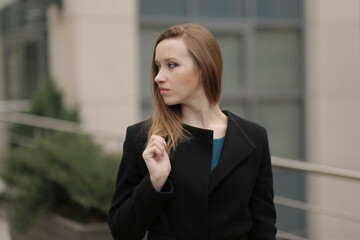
(156, 138)
(160, 146)
(158, 141)
(152, 152)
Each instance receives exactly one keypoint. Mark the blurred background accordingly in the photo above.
(291, 65)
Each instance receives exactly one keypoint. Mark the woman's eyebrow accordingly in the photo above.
(166, 59)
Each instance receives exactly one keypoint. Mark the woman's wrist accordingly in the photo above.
(158, 182)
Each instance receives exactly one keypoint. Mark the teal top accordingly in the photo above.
(217, 146)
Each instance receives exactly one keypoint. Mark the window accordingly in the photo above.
(23, 30)
(227, 8)
(279, 9)
(163, 7)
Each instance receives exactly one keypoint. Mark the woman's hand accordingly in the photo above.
(157, 161)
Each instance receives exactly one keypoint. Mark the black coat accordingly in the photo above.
(234, 201)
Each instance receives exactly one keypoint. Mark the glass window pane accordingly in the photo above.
(146, 112)
(31, 69)
(163, 7)
(278, 60)
(232, 48)
(283, 122)
(14, 78)
(279, 8)
(222, 8)
(239, 108)
(291, 185)
(148, 37)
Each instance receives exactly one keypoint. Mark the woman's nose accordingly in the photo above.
(160, 77)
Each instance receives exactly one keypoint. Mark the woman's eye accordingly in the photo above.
(172, 65)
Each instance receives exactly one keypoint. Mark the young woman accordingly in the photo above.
(192, 171)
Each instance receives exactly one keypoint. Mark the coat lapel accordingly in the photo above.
(237, 147)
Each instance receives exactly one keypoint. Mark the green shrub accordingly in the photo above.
(47, 101)
(61, 172)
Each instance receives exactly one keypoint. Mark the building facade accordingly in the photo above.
(290, 65)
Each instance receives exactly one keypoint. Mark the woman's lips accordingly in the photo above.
(164, 91)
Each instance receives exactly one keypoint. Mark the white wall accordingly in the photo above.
(332, 29)
(93, 56)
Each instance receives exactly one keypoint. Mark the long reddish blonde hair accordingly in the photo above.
(205, 50)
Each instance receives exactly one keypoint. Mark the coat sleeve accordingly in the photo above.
(262, 199)
(135, 202)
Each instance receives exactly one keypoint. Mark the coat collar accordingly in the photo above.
(237, 147)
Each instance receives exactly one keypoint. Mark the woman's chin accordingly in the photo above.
(169, 102)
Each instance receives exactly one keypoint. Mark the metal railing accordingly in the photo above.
(59, 125)
(307, 167)
(288, 164)
(315, 168)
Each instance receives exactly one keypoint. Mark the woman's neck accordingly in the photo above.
(206, 116)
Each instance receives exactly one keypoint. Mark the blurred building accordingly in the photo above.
(290, 65)
(90, 49)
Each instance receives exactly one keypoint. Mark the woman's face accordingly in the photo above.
(178, 75)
